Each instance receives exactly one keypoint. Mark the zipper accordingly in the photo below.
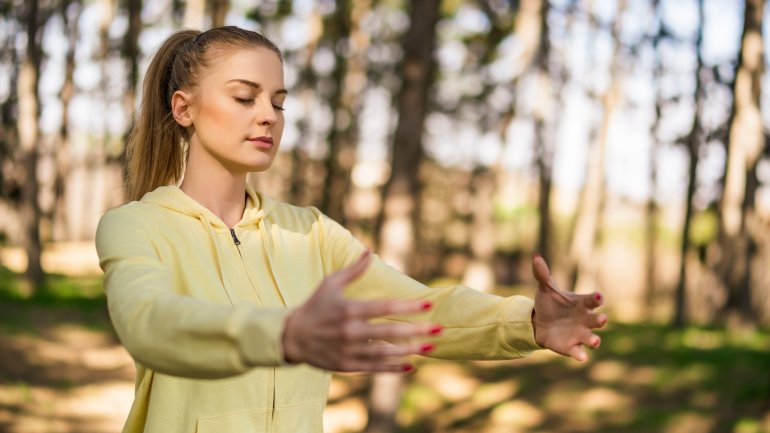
(271, 395)
(270, 426)
(235, 238)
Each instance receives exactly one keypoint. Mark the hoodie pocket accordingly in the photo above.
(251, 421)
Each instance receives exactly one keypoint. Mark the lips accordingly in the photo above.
(262, 142)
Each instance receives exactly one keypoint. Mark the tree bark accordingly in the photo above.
(71, 16)
(651, 208)
(543, 145)
(400, 195)
(28, 132)
(693, 142)
(583, 245)
(746, 141)
(218, 12)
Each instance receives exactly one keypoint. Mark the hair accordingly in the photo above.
(157, 144)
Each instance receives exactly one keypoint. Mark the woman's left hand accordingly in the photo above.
(563, 320)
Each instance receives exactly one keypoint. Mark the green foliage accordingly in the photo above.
(84, 292)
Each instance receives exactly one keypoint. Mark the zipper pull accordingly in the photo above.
(235, 238)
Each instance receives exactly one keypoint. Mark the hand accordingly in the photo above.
(334, 334)
(563, 320)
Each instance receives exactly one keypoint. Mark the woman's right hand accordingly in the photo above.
(333, 333)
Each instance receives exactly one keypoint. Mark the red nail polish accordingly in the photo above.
(435, 330)
(598, 297)
(427, 306)
(406, 368)
(427, 347)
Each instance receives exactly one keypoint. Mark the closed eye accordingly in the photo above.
(245, 101)
(278, 107)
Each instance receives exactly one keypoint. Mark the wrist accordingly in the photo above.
(534, 330)
(290, 352)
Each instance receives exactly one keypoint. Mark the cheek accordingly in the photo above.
(220, 114)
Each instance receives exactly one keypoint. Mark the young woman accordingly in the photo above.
(234, 306)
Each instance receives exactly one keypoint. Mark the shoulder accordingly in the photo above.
(288, 214)
(129, 220)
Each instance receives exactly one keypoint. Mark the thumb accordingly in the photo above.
(541, 272)
(347, 275)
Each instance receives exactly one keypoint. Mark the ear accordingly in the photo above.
(181, 108)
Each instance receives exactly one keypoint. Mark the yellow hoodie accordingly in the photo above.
(201, 309)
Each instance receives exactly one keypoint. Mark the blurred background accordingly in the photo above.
(626, 141)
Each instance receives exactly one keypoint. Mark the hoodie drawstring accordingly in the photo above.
(220, 267)
(267, 244)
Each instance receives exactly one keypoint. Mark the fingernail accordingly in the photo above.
(435, 330)
(406, 368)
(598, 297)
(426, 306)
(427, 347)
(538, 255)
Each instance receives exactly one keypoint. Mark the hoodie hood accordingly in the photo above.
(258, 206)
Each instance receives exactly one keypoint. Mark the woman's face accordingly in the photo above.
(237, 110)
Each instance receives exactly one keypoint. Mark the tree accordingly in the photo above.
(29, 140)
(745, 144)
(70, 12)
(692, 141)
(585, 233)
(400, 204)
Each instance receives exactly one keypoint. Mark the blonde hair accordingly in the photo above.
(156, 146)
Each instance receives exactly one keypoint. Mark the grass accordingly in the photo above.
(645, 378)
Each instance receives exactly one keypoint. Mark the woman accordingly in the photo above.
(235, 306)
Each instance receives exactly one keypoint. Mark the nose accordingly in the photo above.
(266, 113)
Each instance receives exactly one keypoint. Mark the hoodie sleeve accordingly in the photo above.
(477, 325)
(171, 333)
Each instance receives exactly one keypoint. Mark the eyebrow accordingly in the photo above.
(255, 85)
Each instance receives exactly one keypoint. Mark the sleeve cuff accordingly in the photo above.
(517, 330)
(257, 333)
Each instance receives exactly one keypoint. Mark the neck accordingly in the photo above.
(218, 189)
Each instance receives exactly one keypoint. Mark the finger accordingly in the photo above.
(375, 367)
(541, 272)
(347, 275)
(593, 300)
(596, 321)
(577, 352)
(379, 351)
(372, 309)
(395, 331)
(592, 341)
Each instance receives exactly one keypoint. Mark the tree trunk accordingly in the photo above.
(693, 142)
(583, 244)
(400, 196)
(341, 153)
(746, 141)
(28, 131)
(218, 12)
(194, 13)
(543, 145)
(58, 213)
(131, 54)
(480, 273)
(651, 208)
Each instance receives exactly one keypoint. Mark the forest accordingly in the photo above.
(625, 141)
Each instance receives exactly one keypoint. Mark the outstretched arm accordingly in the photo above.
(563, 320)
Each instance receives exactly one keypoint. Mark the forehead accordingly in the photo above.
(259, 65)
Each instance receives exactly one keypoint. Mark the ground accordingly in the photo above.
(63, 370)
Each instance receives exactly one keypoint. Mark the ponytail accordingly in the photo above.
(156, 146)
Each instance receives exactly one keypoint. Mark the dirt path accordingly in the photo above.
(61, 370)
